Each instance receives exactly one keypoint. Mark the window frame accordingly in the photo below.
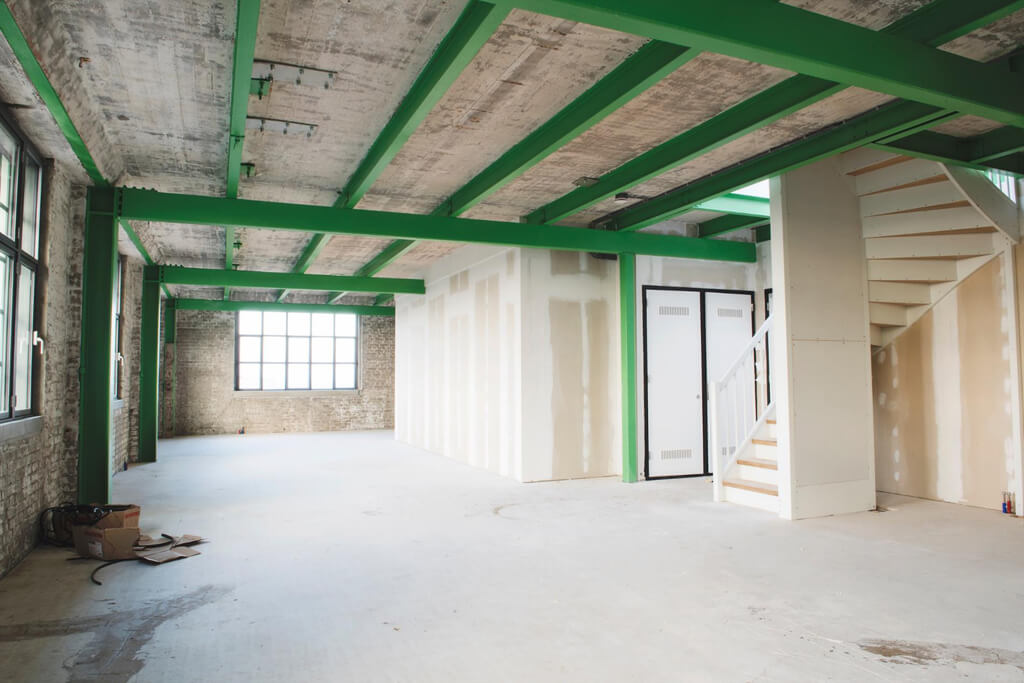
(118, 393)
(309, 362)
(22, 259)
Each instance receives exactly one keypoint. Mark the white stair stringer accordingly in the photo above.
(927, 226)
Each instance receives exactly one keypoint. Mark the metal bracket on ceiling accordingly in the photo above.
(248, 169)
(280, 126)
(291, 73)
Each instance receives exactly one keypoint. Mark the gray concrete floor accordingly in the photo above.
(349, 557)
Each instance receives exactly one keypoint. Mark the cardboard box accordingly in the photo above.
(106, 544)
(120, 517)
(111, 538)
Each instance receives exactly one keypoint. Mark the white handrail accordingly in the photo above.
(739, 404)
(758, 337)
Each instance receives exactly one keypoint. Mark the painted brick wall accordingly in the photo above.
(40, 470)
(204, 400)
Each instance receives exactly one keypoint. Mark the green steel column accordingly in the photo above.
(149, 377)
(627, 318)
(96, 376)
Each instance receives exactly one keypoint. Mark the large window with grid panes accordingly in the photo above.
(296, 351)
(21, 181)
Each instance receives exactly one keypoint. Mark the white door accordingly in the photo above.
(675, 397)
(728, 326)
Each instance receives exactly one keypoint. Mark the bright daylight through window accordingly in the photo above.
(20, 183)
(278, 351)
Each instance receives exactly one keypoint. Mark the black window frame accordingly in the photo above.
(355, 363)
(118, 330)
(20, 259)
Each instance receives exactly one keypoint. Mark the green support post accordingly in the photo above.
(627, 319)
(149, 377)
(96, 373)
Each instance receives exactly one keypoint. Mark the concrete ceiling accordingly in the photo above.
(147, 83)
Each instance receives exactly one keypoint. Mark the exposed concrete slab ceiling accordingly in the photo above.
(165, 67)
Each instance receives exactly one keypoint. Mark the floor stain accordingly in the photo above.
(112, 655)
(923, 654)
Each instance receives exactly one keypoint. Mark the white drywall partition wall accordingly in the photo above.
(570, 363)
(822, 344)
(458, 361)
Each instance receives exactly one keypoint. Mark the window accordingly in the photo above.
(1006, 182)
(276, 351)
(118, 307)
(20, 185)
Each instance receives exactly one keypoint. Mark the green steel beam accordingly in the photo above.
(210, 305)
(473, 28)
(997, 143)
(883, 122)
(96, 371)
(207, 277)
(627, 345)
(726, 224)
(934, 24)
(787, 37)
(170, 321)
(197, 210)
(34, 70)
(634, 75)
(737, 204)
(948, 149)
(149, 370)
(247, 19)
(309, 254)
(763, 234)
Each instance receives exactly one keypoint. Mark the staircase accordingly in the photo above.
(753, 480)
(927, 226)
(743, 440)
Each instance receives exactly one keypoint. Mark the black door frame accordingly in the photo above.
(703, 291)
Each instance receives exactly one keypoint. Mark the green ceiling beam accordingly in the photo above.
(248, 17)
(476, 24)
(638, 72)
(737, 204)
(763, 234)
(948, 149)
(34, 70)
(935, 24)
(473, 28)
(207, 277)
(726, 224)
(997, 143)
(882, 122)
(309, 254)
(634, 75)
(787, 37)
(196, 210)
(209, 305)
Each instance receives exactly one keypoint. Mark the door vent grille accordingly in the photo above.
(730, 312)
(673, 310)
(677, 454)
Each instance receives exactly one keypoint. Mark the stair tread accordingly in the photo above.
(754, 486)
(765, 442)
(771, 422)
(763, 463)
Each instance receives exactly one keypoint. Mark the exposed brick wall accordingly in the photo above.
(126, 412)
(40, 470)
(205, 402)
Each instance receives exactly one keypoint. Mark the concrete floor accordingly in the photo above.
(352, 558)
